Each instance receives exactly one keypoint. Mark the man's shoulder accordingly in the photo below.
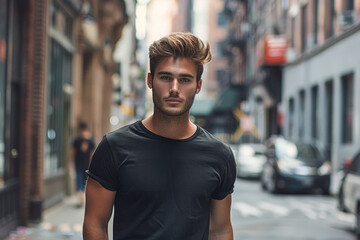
(123, 133)
(209, 139)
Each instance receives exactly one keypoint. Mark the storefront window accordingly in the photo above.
(60, 74)
(3, 47)
(59, 80)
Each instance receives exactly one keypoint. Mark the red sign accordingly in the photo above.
(271, 50)
(275, 50)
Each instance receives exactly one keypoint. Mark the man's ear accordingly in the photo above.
(198, 86)
(149, 80)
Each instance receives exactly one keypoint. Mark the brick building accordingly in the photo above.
(55, 70)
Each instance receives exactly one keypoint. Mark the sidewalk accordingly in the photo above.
(63, 221)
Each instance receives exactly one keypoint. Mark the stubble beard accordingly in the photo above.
(159, 104)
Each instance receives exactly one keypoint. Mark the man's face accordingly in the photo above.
(174, 86)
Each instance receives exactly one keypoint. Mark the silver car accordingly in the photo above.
(349, 193)
(250, 158)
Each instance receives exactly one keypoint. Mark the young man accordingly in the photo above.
(166, 177)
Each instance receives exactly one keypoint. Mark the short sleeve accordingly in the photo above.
(92, 143)
(228, 177)
(102, 166)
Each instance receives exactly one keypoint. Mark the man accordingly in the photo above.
(166, 177)
(83, 147)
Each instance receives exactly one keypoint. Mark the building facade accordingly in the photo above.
(46, 54)
(322, 79)
(301, 69)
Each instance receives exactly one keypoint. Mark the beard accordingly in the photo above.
(160, 104)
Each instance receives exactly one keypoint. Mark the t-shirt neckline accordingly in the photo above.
(155, 136)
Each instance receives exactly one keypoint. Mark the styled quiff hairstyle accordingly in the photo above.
(180, 45)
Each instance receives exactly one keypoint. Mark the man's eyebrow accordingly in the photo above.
(181, 74)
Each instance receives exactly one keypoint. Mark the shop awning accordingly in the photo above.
(202, 107)
(230, 98)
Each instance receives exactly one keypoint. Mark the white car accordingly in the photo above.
(250, 158)
(349, 193)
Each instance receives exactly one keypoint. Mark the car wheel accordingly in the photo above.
(263, 185)
(272, 184)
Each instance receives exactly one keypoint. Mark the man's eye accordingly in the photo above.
(184, 80)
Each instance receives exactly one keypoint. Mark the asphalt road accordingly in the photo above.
(259, 215)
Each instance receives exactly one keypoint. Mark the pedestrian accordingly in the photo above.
(83, 146)
(166, 177)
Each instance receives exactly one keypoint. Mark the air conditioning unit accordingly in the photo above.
(346, 18)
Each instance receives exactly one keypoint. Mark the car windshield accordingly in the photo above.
(300, 151)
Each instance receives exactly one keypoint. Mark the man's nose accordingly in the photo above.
(174, 85)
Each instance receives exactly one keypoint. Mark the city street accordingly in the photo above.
(259, 215)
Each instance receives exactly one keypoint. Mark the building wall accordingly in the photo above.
(29, 98)
(217, 35)
(331, 64)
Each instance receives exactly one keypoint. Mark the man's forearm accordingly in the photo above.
(94, 233)
(226, 235)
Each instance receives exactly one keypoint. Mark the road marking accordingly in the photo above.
(346, 217)
(247, 210)
(279, 210)
(306, 209)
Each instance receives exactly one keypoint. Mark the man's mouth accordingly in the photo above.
(173, 100)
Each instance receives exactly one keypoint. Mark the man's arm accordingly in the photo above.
(220, 222)
(98, 209)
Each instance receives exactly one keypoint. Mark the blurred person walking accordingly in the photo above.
(166, 177)
(83, 146)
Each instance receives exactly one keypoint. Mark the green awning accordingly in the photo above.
(202, 107)
(228, 100)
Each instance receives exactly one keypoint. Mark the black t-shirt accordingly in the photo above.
(83, 149)
(164, 186)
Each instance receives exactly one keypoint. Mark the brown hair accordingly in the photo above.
(180, 45)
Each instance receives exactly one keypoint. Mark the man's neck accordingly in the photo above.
(179, 127)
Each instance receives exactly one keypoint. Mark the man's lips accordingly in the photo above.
(173, 100)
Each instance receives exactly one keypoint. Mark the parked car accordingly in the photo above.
(250, 159)
(349, 192)
(294, 166)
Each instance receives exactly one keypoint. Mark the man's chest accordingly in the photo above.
(177, 171)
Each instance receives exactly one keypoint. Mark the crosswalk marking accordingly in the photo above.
(279, 210)
(247, 210)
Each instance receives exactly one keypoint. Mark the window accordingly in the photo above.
(221, 19)
(329, 111)
(61, 20)
(316, 22)
(347, 107)
(3, 49)
(291, 117)
(314, 112)
(221, 77)
(292, 32)
(329, 18)
(302, 114)
(60, 74)
(220, 48)
(349, 4)
(303, 27)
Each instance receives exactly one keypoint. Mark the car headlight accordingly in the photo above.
(283, 167)
(325, 169)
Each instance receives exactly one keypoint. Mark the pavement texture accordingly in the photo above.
(63, 221)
